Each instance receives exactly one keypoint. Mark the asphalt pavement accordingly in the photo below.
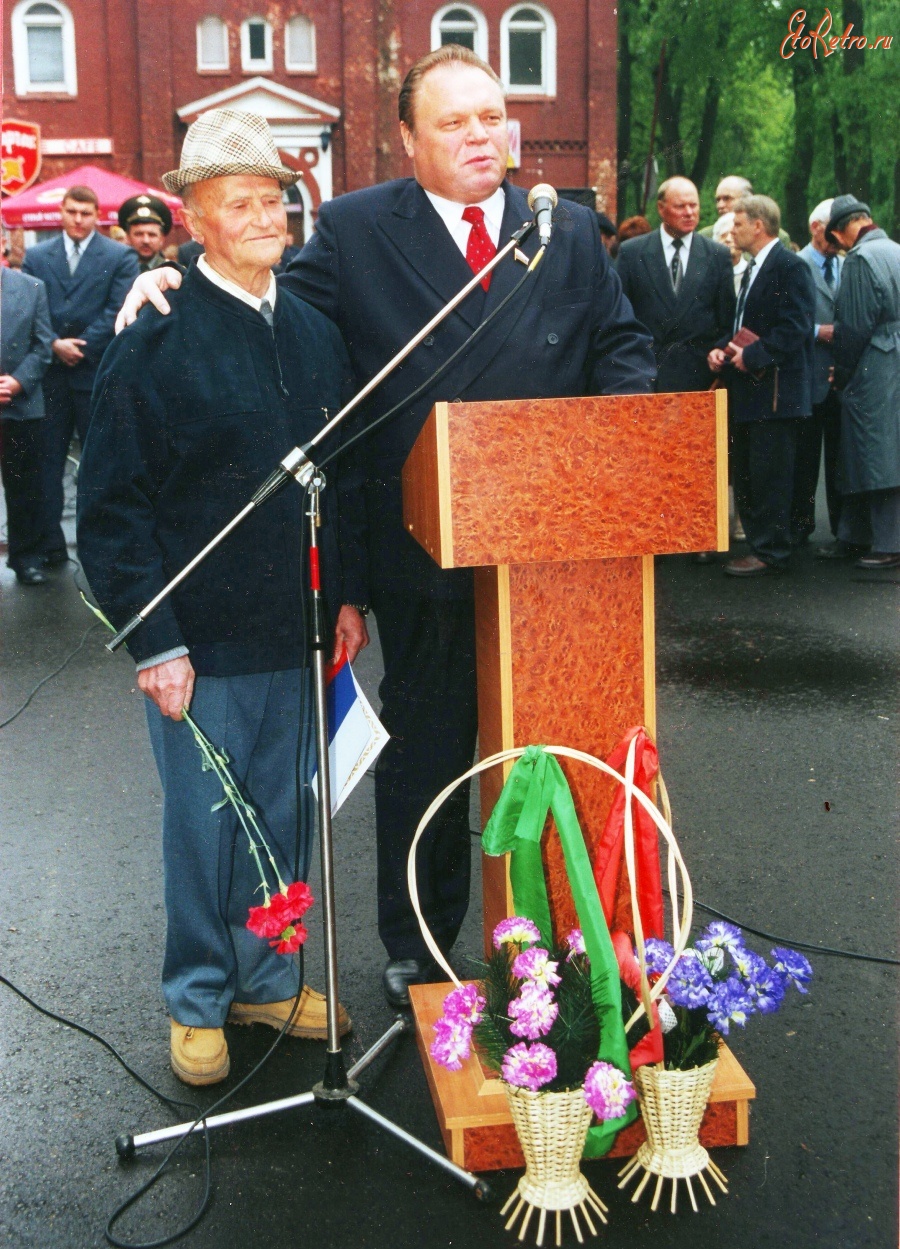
(777, 734)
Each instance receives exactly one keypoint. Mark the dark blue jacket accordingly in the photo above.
(781, 309)
(684, 326)
(83, 304)
(191, 412)
(381, 263)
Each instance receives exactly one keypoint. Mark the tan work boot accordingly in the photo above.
(199, 1055)
(310, 1020)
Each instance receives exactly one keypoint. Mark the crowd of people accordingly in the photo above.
(798, 337)
(183, 414)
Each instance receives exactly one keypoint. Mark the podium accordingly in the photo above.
(560, 506)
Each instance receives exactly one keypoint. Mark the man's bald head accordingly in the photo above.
(678, 205)
(730, 190)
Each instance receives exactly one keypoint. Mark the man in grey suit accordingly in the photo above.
(681, 287)
(26, 348)
(825, 426)
(87, 277)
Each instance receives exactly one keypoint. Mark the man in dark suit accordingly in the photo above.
(681, 288)
(382, 262)
(825, 426)
(87, 276)
(769, 383)
(26, 340)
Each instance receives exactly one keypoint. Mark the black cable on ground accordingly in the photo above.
(798, 945)
(49, 677)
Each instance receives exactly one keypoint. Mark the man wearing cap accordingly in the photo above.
(146, 220)
(381, 263)
(867, 363)
(190, 413)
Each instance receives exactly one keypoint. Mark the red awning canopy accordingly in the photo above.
(38, 207)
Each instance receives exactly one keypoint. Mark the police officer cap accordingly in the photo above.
(844, 206)
(145, 209)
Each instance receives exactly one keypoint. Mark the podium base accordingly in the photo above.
(473, 1112)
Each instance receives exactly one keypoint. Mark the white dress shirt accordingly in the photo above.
(232, 288)
(451, 214)
(69, 245)
(760, 258)
(668, 244)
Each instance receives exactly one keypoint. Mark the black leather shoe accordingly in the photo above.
(32, 574)
(402, 972)
(56, 559)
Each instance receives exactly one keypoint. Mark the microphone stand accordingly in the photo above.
(338, 1086)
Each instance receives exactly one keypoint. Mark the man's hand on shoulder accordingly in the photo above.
(170, 685)
(350, 632)
(148, 288)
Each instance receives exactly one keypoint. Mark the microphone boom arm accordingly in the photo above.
(297, 463)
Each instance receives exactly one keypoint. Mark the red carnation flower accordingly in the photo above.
(280, 917)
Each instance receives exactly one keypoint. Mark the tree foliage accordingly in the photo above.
(800, 127)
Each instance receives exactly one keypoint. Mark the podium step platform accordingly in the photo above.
(474, 1116)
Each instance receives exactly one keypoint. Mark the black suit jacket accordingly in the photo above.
(84, 304)
(382, 263)
(781, 309)
(684, 326)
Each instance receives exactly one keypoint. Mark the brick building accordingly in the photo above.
(117, 82)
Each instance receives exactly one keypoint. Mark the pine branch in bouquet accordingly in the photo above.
(575, 1035)
(499, 986)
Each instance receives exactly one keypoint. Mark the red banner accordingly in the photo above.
(20, 154)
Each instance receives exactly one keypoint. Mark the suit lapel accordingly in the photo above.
(698, 262)
(654, 261)
(60, 264)
(424, 242)
(87, 265)
(761, 281)
(510, 270)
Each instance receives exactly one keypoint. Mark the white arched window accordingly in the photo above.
(212, 44)
(256, 45)
(299, 45)
(528, 50)
(462, 24)
(43, 40)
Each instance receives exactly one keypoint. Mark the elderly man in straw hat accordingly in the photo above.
(190, 413)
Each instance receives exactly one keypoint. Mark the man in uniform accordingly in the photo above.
(146, 220)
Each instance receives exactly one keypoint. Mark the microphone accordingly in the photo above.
(542, 199)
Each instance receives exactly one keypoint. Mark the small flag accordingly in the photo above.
(356, 737)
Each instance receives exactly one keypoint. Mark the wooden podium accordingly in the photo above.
(560, 506)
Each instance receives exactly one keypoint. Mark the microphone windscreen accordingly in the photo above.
(543, 190)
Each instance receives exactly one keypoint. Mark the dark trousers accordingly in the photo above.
(763, 457)
(872, 519)
(21, 450)
(429, 708)
(68, 412)
(823, 427)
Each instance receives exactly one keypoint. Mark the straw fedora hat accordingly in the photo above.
(228, 141)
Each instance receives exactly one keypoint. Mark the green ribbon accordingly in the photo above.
(535, 786)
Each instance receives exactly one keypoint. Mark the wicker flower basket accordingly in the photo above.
(672, 1107)
(552, 1128)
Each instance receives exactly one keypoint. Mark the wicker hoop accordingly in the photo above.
(551, 1128)
(676, 866)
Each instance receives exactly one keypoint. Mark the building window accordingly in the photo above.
(300, 45)
(43, 39)
(528, 51)
(212, 44)
(465, 25)
(256, 45)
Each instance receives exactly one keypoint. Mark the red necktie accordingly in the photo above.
(479, 249)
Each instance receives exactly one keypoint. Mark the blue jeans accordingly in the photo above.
(211, 880)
